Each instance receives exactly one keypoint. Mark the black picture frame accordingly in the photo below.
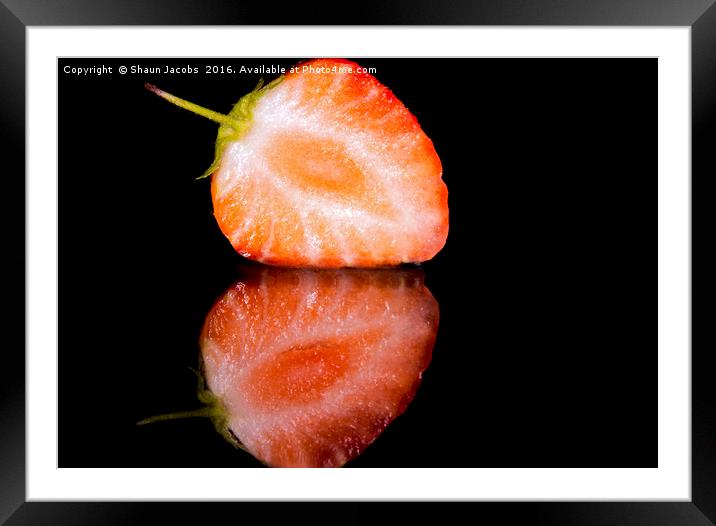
(17, 15)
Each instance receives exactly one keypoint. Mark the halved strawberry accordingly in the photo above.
(309, 366)
(325, 167)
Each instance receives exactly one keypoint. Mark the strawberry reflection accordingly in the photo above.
(307, 367)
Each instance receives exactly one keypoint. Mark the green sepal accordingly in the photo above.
(241, 116)
(219, 417)
(212, 408)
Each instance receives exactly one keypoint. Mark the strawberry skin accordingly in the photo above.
(311, 366)
(325, 167)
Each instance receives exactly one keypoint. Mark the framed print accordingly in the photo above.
(416, 272)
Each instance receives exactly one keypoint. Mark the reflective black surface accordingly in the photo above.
(307, 367)
(544, 356)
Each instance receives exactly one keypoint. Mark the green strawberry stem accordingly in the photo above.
(213, 409)
(194, 108)
(202, 412)
(232, 126)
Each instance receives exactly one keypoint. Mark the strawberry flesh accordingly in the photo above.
(332, 171)
(311, 366)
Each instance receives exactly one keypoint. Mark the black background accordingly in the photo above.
(542, 358)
